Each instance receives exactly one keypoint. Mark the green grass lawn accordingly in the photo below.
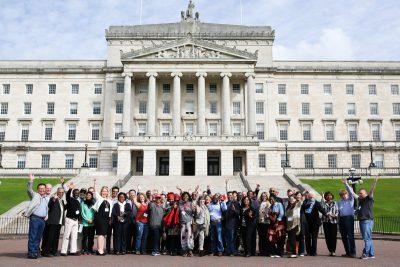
(13, 190)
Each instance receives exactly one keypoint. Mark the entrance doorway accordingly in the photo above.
(239, 161)
(213, 162)
(188, 162)
(162, 162)
(137, 162)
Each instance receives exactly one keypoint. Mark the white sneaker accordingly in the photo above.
(293, 256)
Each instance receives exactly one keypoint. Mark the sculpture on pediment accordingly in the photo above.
(188, 51)
(188, 15)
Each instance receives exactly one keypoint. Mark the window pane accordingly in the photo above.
(282, 89)
(304, 89)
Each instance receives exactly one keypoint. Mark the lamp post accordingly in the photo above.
(1, 158)
(85, 164)
(286, 157)
(371, 164)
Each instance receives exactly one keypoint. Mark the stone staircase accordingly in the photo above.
(267, 181)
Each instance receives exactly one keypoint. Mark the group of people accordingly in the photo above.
(184, 222)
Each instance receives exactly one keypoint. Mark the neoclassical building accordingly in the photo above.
(196, 98)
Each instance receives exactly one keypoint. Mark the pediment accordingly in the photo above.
(189, 50)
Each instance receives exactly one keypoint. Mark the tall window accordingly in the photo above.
(376, 132)
(69, 161)
(259, 107)
(6, 89)
(29, 89)
(304, 89)
(308, 161)
(98, 89)
(396, 108)
(236, 108)
(120, 88)
(212, 129)
(45, 161)
(378, 160)
(356, 161)
(165, 129)
(117, 130)
(261, 161)
(260, 131)
(50, 108)
(115, 160)
(189, 128)
(4, 108)
(373, 108)
(189, 107)
(305, 108)
(330, 131)
(283, 131)
(236, 129)
(236, 88)
(142, 107)
(24, 132)
(52, 89)
(48, 132)
(189, 88)
(74, 89)
(119, 107)
(166, 88)
(212, 88)
(332, 161)
(259, 88)
(73, 108)
(142, 129)
(353, 133)
(95, 131)
(328, 108)
(307, 132)
(93, 161)
(394, 88)
(372, 89)
(351, 108)
(143, 88)
(2, 132)
(71, 131)
(166, 107)
(327, 89)
(96, 108)
(349, 89)
(282, 108)
(27, 108)
(282, 89)
(213, 107)
(21, 161)
(396, 131)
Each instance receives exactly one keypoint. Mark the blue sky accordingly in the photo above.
(304, 29)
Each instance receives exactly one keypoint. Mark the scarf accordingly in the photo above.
(171, 219)
(309, 206)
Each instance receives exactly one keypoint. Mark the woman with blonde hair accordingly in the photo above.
(102, 215)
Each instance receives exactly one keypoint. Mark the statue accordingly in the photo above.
(188, 15)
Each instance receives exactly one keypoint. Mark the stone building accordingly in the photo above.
(196, 98)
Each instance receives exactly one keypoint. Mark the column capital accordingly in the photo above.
(250, 74)
(179, 74)
(127, 74)
(152, 73)
(204, 74)
(227, 74)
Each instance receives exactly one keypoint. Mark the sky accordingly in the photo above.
(304, 29)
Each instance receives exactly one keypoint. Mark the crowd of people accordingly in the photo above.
(183, 222)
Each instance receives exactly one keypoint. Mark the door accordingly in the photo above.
(237, 164)
(164, 166)
(213, 166)
(188, 166)
(139, 164)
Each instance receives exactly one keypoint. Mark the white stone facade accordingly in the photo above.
(194, 98)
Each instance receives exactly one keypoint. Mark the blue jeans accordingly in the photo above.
(156, 230)
(36, 228)
(230, 238)
(142, 230)
(366, 232)
(216, 237)
(346, 228)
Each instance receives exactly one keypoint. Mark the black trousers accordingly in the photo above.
(262, 239)
(292, 237)
(311, 238)
(44, 238)
(88, 238)
(131, 237)
(173, 243)
(330, 231)
(53, 235)
(108, 238)
(247, 233)
(119, 238)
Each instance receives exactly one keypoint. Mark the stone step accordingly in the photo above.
(268, 181)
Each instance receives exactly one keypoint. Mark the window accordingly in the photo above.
(212, 88)
(282, 108)
(330, 132)
(189, 128)
(71, 131)
(304, 89)
(212, 129)
(236, 88)
(260, 131)
(259, 88)
(69, 161)
(6, 89)
(283, 160)
(394, 88)
(213, 107)
(73, 108)
(260, 107)
(353, 133)
(236, 108)
(308, 161)
(261, 161)
(48, 132)
(142, 129)
(189, 88)
(96, 108)
(396, 132)
(143, 88)
(120, 88)
(98, 89)
(373, 108)
(396, 108)
(21, 161)
(27, 108)
(328, 108)
(165, 127)
(372, 89)
(119, 107)
(4, 108)
(24, 132)
(376, 132)
(332, 161)
(327, 89)
(93, 161)
(117, 131)
(29, 89)
(142, 107)
(307, 132)
(349, 89)
(95, 131)
(305, 108)
(115, 160)
(2, 132)
(236, 129)
(356, 161)
(74, 89)
(351, 108)
(189, 107)
(52, 89)
(166, 107)
(45, 161)
(50, 108)
(282, 89)
(378, 160)
(283, 132)
(166, 88)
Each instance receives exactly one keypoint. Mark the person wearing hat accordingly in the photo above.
(156, 211)
(171, 223)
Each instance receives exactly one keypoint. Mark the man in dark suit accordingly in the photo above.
(54, 222)
(131, 233)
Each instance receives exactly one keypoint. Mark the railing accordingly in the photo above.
(343, 171)
(188, 138)
(5, 172)
(244, 181)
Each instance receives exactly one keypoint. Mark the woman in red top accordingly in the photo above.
(142, 227)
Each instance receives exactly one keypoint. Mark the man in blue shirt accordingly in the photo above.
(216, 209)
(346, 220)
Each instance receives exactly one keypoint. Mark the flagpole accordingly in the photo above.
(141, 10)
(241, 13)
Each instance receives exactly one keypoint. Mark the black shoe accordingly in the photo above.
(32, 257)
(63, 254)
(47, 255)
(247, 256)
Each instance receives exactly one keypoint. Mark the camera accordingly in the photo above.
(352, 179)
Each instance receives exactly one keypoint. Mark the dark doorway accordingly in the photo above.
(164, 165)
(139, 164)
(188, 165)
(213, 166)
(237, 164)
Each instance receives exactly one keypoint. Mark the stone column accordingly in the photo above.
(251, 109)
(126, 115)
(226, 104)
(176, 118)
(124, 162)
(201, 161)
(151, 108)
(175, 161)
(227, 161)
(149, 161)
(201, 103)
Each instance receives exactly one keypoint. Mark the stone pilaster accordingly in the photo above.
(126, 115)
(252, 161)
(176, 119)
(201, 103)
(175, 161)
(227, 161)
(201, 161)
(151, 102)
(226, 104)
(149, 161)
(124, 162)
(251, 110)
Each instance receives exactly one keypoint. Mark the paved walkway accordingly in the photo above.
(13, 253)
